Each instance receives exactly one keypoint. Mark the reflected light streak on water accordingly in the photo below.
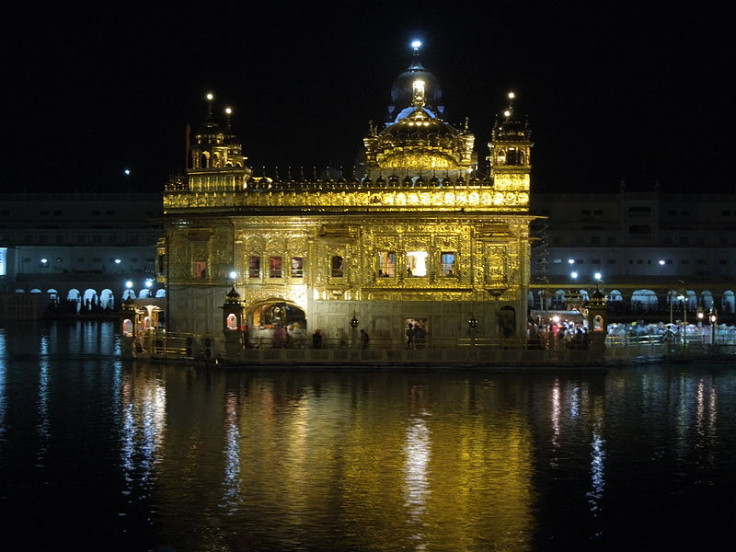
(3, 377)
(144, 424)
(231, 480)
(556, 413)
(417, 451)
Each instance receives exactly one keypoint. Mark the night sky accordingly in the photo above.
(613, 92)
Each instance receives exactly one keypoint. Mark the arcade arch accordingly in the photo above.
(107, 299)
(728, 302)
(89, 300)
(74, 298)
(644, 299)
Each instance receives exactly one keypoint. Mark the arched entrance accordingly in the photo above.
(73, 300)
(107, 299)
(643, 300)
(707, 299)
(728, 302)
(90, 300)
(615, 301)
(275, 323)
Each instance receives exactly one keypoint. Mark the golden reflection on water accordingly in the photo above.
(384, 464)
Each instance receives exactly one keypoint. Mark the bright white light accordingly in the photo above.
(129, 284)
(511, 95)
(44, 261)
(416, 44)
(507, 113)
(210, 96)
(149, 282)
(597, 276)
(118, 261)
(661, 262)
(574, 274)
(126, 172)
(417, 262)
(571, 261)
(228, 110)
(233, 274)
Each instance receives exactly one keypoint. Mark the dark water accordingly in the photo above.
(99, 454)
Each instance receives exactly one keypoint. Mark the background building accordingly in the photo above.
(651, 252)
(79, 252)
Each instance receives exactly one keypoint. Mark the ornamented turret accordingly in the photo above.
(213, 147)
(510, 151)
(216, 160)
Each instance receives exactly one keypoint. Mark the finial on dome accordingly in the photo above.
(228, 113)
(510, 109)
(210, 97)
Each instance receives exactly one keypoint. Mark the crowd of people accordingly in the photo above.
(555, 336)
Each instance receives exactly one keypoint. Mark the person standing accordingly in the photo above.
(317, 340)
(364, 339)
(410, 334)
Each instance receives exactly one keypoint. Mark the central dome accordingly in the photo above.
(402, 91)
(416, 139)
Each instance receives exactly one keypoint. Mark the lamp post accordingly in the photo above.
(684, 319)
(713, 320)
(472, 325)
(354, 322)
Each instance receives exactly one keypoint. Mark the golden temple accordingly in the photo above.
(421, 235)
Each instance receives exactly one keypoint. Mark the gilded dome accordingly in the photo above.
(420, 128)
(402, 91)
(415, 138)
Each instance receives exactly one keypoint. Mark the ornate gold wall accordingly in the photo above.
(484, 232)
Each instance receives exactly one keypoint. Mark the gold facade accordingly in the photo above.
(421, 234)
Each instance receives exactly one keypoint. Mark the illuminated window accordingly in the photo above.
(386, 264)
(297, 267)
(447, 264)
(3, 261)
(337, 269)
(254, 267)
(275, 268)
(416, 263)
(200, 269)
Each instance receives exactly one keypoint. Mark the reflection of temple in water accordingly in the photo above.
(420, 230)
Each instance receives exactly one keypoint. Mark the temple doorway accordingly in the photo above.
(275, 324)
(416, 332)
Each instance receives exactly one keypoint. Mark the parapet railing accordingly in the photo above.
(161, 345)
